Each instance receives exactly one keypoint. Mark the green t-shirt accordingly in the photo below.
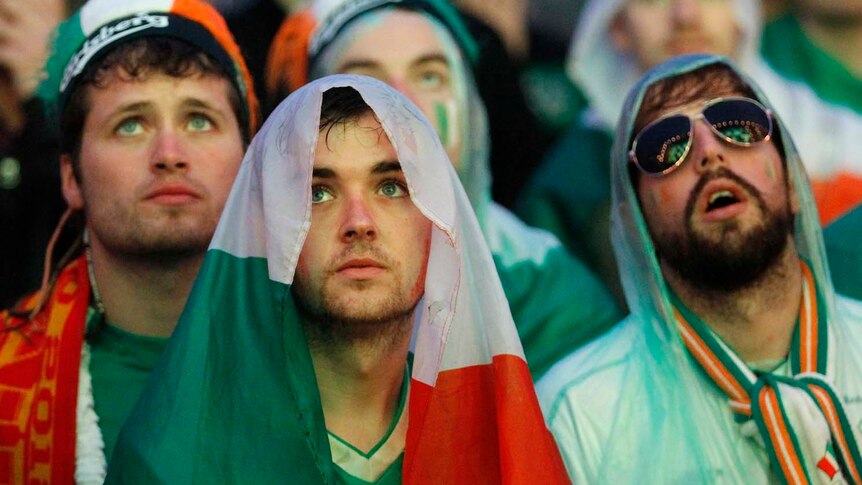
(120, 364)
(383, 463)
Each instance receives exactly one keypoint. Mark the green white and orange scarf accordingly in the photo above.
(793, 440)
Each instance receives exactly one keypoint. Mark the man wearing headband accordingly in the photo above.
(155, 109)
(422, 48)
(615, 42)
(739, 360)
(346, 326)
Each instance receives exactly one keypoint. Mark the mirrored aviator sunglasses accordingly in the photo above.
(661, 146)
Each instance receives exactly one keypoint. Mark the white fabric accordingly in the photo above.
(90, 464)
(96, 13)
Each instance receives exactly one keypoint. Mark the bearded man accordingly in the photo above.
(738, 360)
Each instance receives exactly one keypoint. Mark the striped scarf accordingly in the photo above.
(781, 407)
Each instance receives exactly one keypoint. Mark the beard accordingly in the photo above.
(734, 259)
(333, 319)
(170, 235)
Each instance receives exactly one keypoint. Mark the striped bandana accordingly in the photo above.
(787, 411)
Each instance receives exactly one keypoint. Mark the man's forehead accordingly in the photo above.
(378, 27)
(692, 105)
(201, 90)
(356, 143)
(679, 93)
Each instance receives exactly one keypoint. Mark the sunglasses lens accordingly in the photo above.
(739, 121)
(662, 145)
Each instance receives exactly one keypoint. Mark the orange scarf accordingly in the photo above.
(39, 366)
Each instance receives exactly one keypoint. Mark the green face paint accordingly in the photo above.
(442, 116)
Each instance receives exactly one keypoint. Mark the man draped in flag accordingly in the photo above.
(347, 235)
(424, 50)
(739, 363)
(155, 108)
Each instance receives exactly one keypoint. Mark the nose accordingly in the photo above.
(685, 12)
(169, 152)
(708, 151)
(358, 223)
(403, 86)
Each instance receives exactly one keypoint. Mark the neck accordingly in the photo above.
(144, 296)
(757, 321)
(360, 385)
(841, 39)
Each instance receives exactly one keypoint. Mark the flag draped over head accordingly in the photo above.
(235, 397)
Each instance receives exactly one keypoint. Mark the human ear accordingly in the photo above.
(69, 183)
(619, 33)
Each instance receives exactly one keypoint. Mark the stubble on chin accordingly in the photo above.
(174, 233)
(334, 320)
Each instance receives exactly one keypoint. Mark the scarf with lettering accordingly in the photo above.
(39, 366)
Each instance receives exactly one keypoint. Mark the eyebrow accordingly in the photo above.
(384, 167)
(370, 63)
(142, 106)
(133, 108)
(196, 103)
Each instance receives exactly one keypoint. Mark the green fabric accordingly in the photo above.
(842, 239)
(120, 365)
(551, 95)
(569, 196)
(210, 376)
(391, 477)
(788, 50)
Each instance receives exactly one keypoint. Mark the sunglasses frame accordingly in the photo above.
(691, 121)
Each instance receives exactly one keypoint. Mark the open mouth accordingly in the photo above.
(720, 199)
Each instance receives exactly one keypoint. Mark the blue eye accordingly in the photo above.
(393, 189)
(198, 122)
(320, 194)
(431, 80)
(130, 127)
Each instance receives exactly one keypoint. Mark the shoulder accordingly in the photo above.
(581, 396)
(849, 313)
(590, 376)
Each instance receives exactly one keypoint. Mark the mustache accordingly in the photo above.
(360, 249)
(720, 173)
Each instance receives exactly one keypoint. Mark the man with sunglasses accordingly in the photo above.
(739, 362)
(615, 42)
